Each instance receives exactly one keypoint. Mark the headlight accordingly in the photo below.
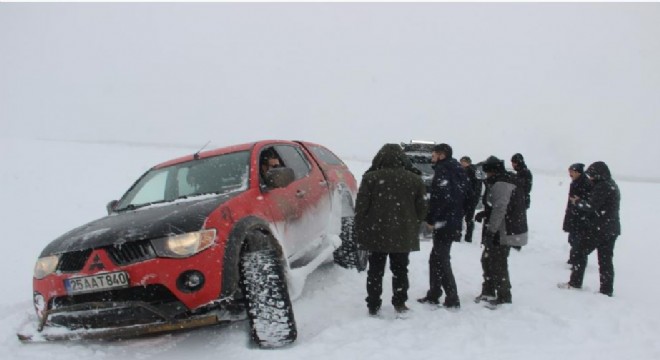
(184, 245)
(46, 266)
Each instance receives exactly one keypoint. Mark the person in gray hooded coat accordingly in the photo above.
(505, 226)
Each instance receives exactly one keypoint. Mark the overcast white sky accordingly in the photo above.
(559, 82)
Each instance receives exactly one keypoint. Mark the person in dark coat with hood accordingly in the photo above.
(574, 219)
(407, 164)
(518, 163)
(602, 228)
(449, 192)
(505, 226)
(475, 194)
(388, 210)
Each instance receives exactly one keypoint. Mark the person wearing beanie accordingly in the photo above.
(518, 164)
(471, 204)
(577, 167)
(505, 226)
(517, 158)
(602, 228)
(574, 220)
(449, 192)
(493, 164)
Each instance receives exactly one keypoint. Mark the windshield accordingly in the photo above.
(214, 175)
(422, 162)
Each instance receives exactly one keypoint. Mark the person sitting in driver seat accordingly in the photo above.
(268, 161)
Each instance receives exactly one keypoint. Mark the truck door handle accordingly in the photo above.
(300, 193)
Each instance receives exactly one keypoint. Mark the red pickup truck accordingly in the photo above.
(202, 239)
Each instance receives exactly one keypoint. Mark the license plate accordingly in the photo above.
(98, 282)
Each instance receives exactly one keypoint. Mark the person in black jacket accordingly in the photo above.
(602, 228)
(505, 226)
(473, 200)
(518, 163)
(448, 193)
(574, 219)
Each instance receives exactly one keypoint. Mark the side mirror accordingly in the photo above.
(110, 207)
(279, 177)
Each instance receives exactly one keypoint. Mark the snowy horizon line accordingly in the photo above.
(551, 172)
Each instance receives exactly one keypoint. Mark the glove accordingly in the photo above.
(480, 216)
(489, 239)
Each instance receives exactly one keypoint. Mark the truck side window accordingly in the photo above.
(293, 158)
(326, 155)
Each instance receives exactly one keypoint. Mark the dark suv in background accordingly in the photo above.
(419, 153)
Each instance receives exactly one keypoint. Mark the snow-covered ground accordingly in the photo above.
(48, 187)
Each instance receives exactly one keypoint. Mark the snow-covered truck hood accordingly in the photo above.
(144, 223)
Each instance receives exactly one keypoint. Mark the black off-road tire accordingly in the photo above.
(268, 304)
(348, 255)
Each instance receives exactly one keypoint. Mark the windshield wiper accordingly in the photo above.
(137, 206)
(130, 207)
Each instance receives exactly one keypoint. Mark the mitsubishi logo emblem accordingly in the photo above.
(96, 264)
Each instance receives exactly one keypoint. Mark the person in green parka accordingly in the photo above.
(389, 208)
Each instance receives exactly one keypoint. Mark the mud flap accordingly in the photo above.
(348, 255)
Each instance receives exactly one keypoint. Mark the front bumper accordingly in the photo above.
(119, 333)
(112, 312)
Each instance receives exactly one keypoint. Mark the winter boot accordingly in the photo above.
(401, 308)
(494, 304)
(500, 301)
(428, 300)
(452, 304)
(567, 285)
(484, 297)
